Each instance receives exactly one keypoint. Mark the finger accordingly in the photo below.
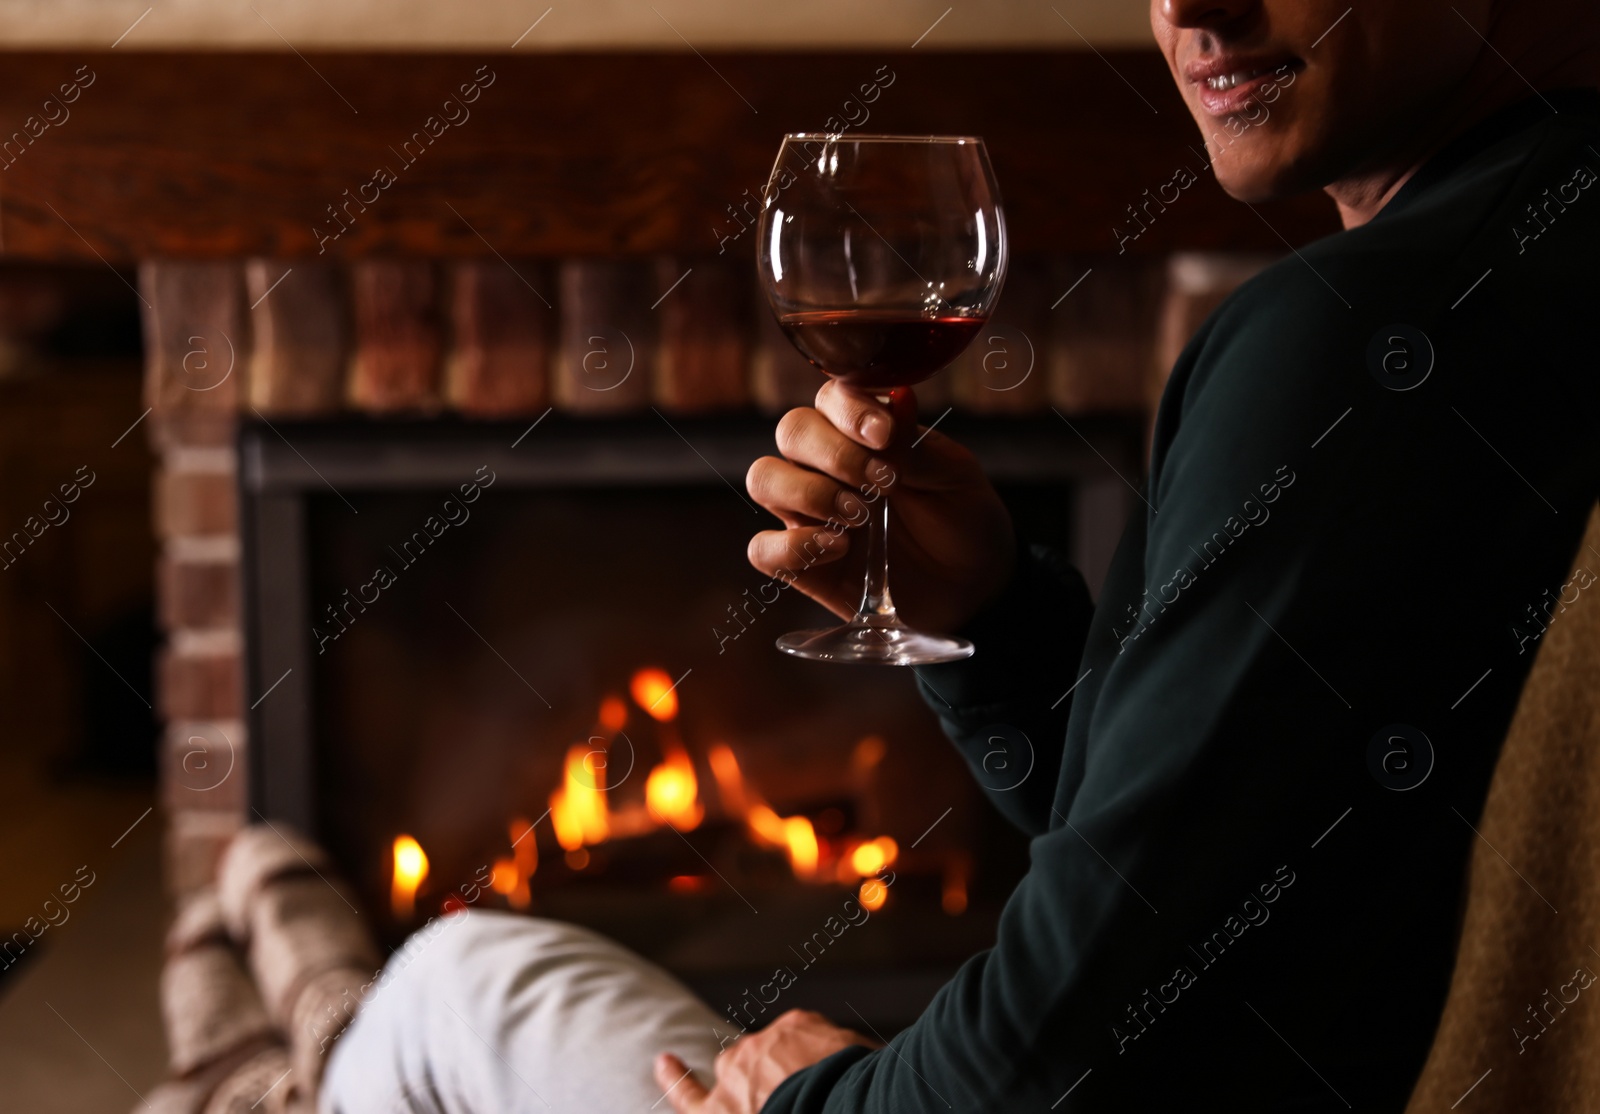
(857, 413)
(798, 494)
(936, 462)
(810, 440)
(921, 456)
(792, 552)
(678, 1084)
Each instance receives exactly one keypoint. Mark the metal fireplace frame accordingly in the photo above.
(282, 463)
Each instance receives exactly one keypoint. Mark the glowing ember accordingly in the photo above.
(578, 808)
(766, 826)
(524, 861)
(730, 782)
(672, 792)
(613, 713)
(869, 858)
(953, 899)
(793, 834)
(868, 753)
(652, 690)
(410, 868)
(872, 895)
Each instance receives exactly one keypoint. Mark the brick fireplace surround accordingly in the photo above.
(260, 341)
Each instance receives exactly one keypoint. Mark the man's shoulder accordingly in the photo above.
(1514, 223)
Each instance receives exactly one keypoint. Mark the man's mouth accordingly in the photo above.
(1228, 81)
(1227, 84)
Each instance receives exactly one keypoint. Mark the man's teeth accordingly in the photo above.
(1228, 81)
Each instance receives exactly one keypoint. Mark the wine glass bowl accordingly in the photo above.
(881, 257)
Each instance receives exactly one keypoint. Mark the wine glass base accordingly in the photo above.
(868, 643)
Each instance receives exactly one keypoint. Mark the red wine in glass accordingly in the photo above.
(876, 350)
(881, 256)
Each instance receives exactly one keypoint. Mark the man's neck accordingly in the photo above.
(1493, 84)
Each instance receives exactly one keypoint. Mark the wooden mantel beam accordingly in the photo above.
(251, 154)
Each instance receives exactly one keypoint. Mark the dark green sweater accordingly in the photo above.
(1370, 474)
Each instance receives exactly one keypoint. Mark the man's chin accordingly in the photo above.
(1258, 183)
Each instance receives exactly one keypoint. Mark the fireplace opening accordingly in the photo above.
(543, 678)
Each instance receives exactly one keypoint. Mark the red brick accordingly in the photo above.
(608, 337)
(194, 503)
(183, 429)
(197, 339)
(197, 593)
(398, 336)
(301, 337)
(702, 363)
(204, 767)
(503, 327)
(198, 686)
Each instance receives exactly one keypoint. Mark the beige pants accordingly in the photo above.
(491, 1013)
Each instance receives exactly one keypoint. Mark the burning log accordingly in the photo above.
(671, 791)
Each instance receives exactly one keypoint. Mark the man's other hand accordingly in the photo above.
(750, 1069)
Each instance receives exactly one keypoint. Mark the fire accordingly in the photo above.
(672, 791)
(766, 826)
(578, 809)
(730, 783)
(869, 858)
(510, 876)
(410, 868)
(872, 895)
(801, 840)
(613, 714)
(793, 834)
(653, 691)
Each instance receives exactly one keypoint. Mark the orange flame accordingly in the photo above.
(730, 782)
(524, 861)
(872, 895)
(869, 858)
(410, 868)
(578, 809)
(793, 834)
(801, 840)
(653, 691)
(613, 713)
(672, 792)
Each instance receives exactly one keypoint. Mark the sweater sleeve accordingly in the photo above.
(1294, 586)
(1006, 707)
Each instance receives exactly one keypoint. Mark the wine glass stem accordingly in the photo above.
(876, 603)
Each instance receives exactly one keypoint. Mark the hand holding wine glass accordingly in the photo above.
(881, 257)
(953, 537)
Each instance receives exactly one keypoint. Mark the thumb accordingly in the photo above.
(682, 1090)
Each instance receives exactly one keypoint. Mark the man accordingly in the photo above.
(1371, 469)
(1253, 813)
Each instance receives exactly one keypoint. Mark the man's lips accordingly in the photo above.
(1227, 83)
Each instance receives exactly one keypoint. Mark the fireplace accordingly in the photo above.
(532, 656)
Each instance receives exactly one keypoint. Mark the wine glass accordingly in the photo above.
(881, 256)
